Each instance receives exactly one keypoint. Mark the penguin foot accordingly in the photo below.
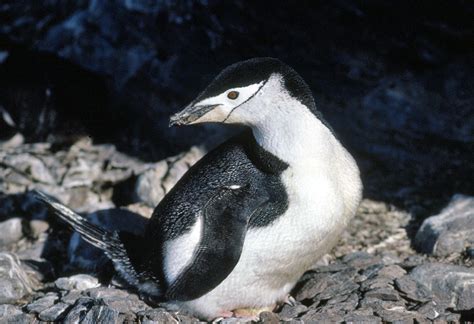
(251, 313)
(289, 300)
(223, 315)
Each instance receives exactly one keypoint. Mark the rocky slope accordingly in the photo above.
(49, 274)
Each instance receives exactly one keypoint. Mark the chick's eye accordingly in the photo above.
(232, 95)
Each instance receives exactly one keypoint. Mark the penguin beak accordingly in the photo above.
(190, 114)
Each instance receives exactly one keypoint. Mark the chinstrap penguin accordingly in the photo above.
(245, 222)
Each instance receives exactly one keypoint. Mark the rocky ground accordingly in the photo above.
(86, 91)
(49, 274)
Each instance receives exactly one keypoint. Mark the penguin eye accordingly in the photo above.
(233, 95)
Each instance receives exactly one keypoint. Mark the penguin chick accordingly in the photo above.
(245, 222)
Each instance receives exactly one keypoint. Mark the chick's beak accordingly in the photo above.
(190, 114)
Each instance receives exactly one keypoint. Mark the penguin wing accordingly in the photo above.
(225, 217)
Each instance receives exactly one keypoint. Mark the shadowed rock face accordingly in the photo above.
(452, 231)
(393, 79)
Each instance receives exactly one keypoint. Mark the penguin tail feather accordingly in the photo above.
(109, 242)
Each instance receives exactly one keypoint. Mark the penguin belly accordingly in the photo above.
(274, 257)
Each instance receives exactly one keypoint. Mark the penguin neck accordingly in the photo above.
(293, 134)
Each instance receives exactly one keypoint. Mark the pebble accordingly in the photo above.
(78, 282)
(412, 289)
(453, 285)
(54, 313)
(14, 281)
(42, 303)
(11, 231)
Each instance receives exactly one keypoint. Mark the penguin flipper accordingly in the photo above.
(225, 220)
(111, 243)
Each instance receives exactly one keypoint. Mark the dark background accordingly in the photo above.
(395, 79)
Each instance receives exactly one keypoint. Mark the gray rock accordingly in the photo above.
(11, 230)
(109, 292)
(121, 301)
(340, 304)
(313, 316)
(77, 282)
(42, 303)
(342, 288)
(376, 283)
(101, 314)
(289, 312)
(14, 282)
(429, 310)
(148, 187)
(76, 314)
(269, 317)
(400, 316)
(7, 311)
(387, 294)
(54, 313)
(155, 183)
(355, 318)
(311, 286)
(38, 227)
(377, 304)
(158, 316)
(19, 318)
(392, 272)
(71, 296)
(453, 285)
(412, 289)
(451, 231)
(412, 261)
(361, 260)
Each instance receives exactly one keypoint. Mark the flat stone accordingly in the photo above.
(269, 317)
(372, 270)
(109, 292)
(77, 282)
(361, 260)
(76, 314)
(71, 296)
(12, 231)
(101, 314)
(42, 303)
(288, 312)
(14, 281)
(311, 286)
(377, 304)
(343, 288)
(387, 294)
(376, 283)
(430, 310)
(54, 313)
(453, 285)
(130, 304)
(148, 188)
(313, 316)
(19, 318)
(355, 318)
(412, 289)
(158, 316)
(400, 316)
(451, 231)
(7, 311)
(340, 304)
(38, 227)
(392, 272)
(412, 261)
